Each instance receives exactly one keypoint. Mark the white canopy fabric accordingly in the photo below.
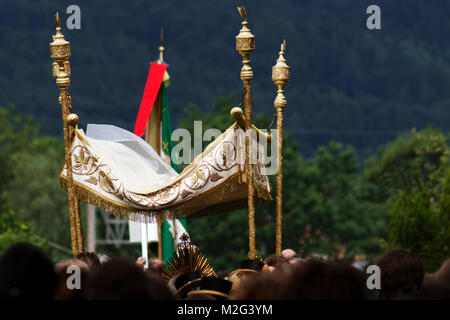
(120, 173)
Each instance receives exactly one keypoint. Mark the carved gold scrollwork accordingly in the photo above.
(245, 44)
(280, 73)
(60, 51)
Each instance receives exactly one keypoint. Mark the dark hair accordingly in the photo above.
(26, 273)
(63, 292)
(253, 264)
(121, 279)
(276, 261)
(261, 286)
(317, 280)
(401, 273)
(90, 258)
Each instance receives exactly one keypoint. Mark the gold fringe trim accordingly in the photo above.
(203, 205)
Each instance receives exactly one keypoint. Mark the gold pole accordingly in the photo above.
(72, 121)
(280, 76)
(245, 44)
(60, 53)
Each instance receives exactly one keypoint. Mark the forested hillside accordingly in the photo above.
(348, 83)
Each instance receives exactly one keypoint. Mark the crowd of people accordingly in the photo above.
(26, 273)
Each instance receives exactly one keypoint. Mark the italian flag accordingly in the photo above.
(153, 120)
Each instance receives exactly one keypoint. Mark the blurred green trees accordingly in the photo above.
(13, 230)
(33, 204)
(412, 175)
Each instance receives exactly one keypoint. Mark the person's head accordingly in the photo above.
(74, 288)
(90, 258)
(276, 261)
(317, 280)
(120, 279)
(247, 269)
(435, 286)
(288, 254)
(260, 286)
(296, 261)
(26, 273)
(401, 274)
(239, 276)
(252, 264)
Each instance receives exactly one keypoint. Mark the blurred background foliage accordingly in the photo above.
(366, 148)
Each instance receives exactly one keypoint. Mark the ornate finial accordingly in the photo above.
(184, 238)
(161, 47)
(245, 40)
(245, 44)
(60, 53)
(280, 76)
(185, 241)
(57, 21)
(58, 34)
(242, 12)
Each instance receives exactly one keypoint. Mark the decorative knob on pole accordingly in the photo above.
(280, 76)
(245, 44)
(72, 120)
(60, 53)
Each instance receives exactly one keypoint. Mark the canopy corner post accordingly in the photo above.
(280, 76)
(60, 53)
(245, 44)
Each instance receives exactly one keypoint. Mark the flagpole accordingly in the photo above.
(158, 148)
(144, 248)
(160, 60)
